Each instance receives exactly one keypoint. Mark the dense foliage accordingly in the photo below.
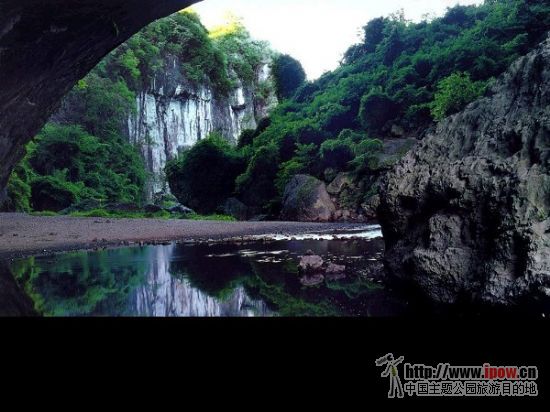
(289, 75)
(402, 77)
(204, 176)
(83, 153)
(399, 80)
(217, 59)
(65, 165)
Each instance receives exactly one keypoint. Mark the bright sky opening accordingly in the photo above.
(316, 32)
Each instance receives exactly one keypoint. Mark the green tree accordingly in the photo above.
(68, 164)
(377, 109)
(204, 176)
(289, 75)
(336, 154)
(256, 186)
(454, 93)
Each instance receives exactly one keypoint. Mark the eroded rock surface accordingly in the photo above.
(467, 211)
(306, 199)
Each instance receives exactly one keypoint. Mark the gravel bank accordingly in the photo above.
(25, 235)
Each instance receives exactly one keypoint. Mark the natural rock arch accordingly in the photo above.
(46, 46)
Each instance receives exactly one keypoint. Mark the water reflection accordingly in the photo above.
(255, 278)
(165, 295)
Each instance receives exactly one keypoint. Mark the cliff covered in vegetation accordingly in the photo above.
(466, 214)
(350, 126)
(166, 88)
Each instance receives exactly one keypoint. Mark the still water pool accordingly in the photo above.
(250, 278)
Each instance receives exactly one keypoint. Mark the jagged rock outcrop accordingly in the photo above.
(356, 195)
(306, 199)
(467, 212)
(46, 46)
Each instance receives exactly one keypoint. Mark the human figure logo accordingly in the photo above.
(391, 371)
(445, 379)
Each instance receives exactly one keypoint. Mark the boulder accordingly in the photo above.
(371, 206)
(466, 213)
(234, 207)
(337, 185)
(311, 263)
(306, 199)
(179, 208)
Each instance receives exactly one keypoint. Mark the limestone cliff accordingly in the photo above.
(173, 114)
(466, 213)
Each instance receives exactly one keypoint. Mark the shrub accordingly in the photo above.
(454, 93)
(336, 154)
(204, 176)
(289, 76)
(19, 195)
(377, 109)
(256, 185)
(52, 193)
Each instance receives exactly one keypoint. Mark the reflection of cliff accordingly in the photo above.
(166, 295)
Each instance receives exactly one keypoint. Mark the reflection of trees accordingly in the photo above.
(216, 277)
(102, 283)
(278, 285)
(282, 290)
(80, 283)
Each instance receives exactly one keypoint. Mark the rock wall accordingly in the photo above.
(467, 212)
(172, 115)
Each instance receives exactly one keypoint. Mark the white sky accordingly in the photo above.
(316, 32)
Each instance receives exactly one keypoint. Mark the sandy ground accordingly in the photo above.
(25, 235)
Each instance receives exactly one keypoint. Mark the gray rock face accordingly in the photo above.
(306, 199)
(173, 114)
(467, 212)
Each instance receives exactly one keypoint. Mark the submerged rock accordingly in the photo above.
(311, 263)
(306, 199)
(312, 280)
(179, 208)
(467, 211)
(333, 268)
